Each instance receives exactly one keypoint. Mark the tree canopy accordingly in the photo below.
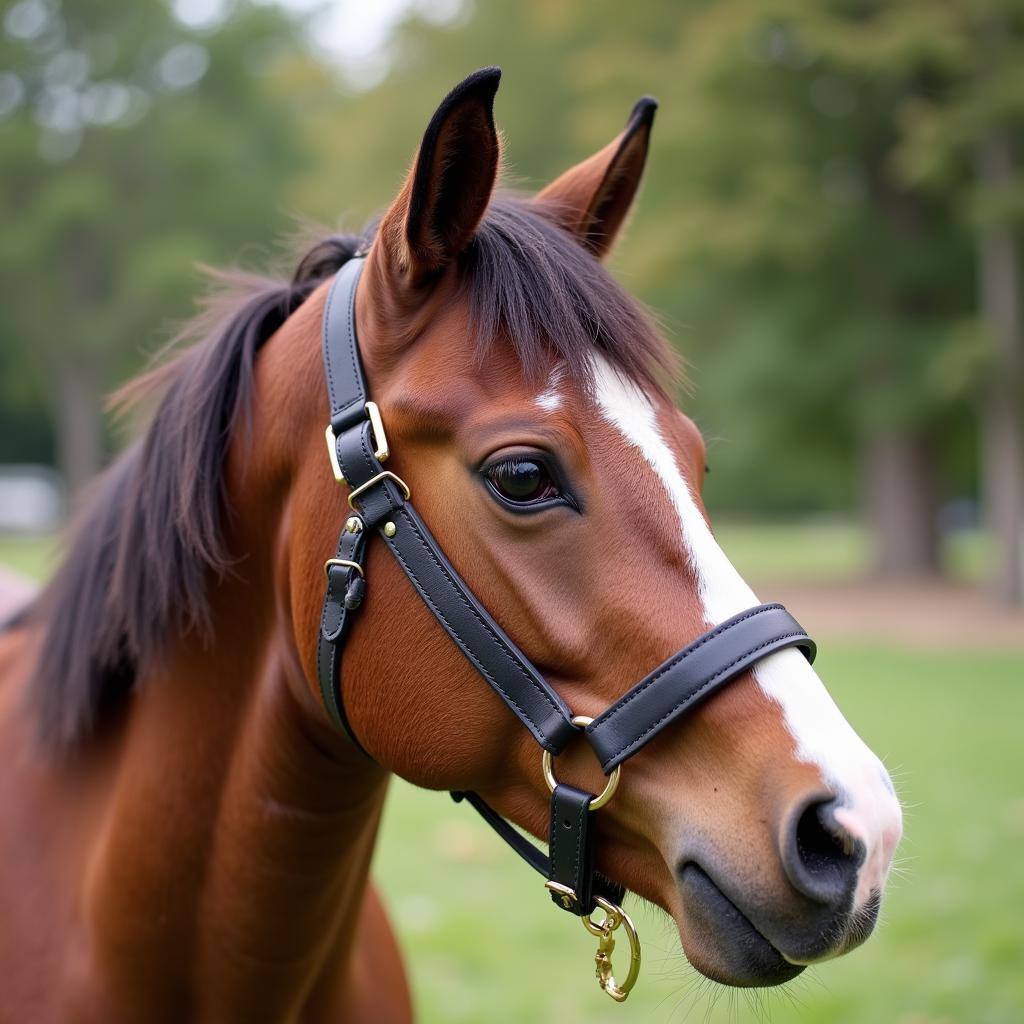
(825, 182)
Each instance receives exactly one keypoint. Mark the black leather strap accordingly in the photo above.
(690, 676)
(346, 385)
(341, 601)
(536, 858)
(571, 849)
(509, 672)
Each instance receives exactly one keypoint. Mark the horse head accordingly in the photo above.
(528, 407)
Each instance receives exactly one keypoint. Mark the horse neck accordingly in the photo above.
(238, 843)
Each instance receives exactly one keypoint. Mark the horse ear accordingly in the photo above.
(436, 213)
(593, 198)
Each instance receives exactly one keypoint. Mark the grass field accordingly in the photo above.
(30, 556)
(825, 549)
(484, 944)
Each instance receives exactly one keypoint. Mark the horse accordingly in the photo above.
(187, 832)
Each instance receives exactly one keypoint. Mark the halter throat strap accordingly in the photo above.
(381, 503)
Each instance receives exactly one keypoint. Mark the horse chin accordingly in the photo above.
(721, 943)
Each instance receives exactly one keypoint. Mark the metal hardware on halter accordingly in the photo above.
(614, 917)
(380, 441)
(564, 892)
(344, 562)
(385, 475)
(547, 767)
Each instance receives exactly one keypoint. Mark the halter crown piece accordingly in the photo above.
(380, 501)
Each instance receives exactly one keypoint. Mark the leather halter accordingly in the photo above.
(381, 502)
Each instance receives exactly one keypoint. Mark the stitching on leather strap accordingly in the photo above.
(682, 655)
(464, 647)
(371, 462)
(328, 684)
(584, 810)
(350, 327)
(553, 838)
(476, 615)
(534, 728)
(723, 672)
(336, 404)
(327, 346)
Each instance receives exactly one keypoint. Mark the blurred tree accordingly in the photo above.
(833, 288)
(834, 191)
(133, 144)
(811, 215)
(966, 143)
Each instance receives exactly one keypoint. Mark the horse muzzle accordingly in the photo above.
(745, 931)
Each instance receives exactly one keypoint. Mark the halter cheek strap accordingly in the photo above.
(381, 502)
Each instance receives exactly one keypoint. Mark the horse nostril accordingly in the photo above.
(820, 857)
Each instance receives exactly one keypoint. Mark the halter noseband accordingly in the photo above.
(380, 501)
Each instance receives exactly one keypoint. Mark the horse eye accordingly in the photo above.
(521, 481)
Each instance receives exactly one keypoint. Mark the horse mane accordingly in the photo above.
(150, 533)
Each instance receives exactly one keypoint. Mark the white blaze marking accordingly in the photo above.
(550, 398)
(822, 736)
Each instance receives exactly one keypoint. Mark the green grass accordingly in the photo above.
(809, 550)
(30, 556)
(484, 944)
(831, 550)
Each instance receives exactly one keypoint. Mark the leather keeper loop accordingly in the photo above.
(571, 849)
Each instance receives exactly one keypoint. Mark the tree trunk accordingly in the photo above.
(1001, 420)
(900, 496)
(76, 400)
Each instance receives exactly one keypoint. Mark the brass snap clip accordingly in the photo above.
(614, 917)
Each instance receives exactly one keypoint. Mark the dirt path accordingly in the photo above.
(933, 615)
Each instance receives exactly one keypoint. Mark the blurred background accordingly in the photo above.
(830, 232)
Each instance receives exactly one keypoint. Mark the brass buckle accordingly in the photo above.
(332, 454)
(566, 895)
(381, 451)
(380, 440)
(546, 764)
(345, 563)
(614, 916)
(385, 475)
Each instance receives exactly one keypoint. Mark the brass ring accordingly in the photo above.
(547, 767)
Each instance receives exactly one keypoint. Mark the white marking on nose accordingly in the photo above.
(820, 732)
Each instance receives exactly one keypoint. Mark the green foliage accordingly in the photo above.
(806, 231)
(807, 224)
(140, 148)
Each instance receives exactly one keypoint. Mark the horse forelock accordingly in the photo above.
(532, 285)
